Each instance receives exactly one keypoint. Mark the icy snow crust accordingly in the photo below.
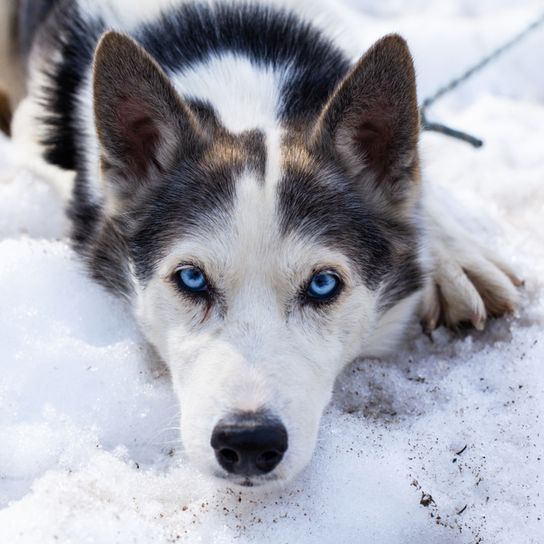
(443, 442)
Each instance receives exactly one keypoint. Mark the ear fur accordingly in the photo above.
(372, 119)
(143, 125)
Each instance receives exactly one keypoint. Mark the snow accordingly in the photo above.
(89, 450)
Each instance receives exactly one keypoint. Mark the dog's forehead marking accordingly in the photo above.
(255, 227)
(244, 96)
(274, 161)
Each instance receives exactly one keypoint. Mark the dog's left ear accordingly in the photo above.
(372, 119)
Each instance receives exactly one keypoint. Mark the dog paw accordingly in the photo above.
(469, 284)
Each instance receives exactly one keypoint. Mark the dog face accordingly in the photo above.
(262, 262)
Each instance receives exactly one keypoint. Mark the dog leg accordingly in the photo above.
(469, 282)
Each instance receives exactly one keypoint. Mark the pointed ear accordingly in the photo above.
(372, 119)
(143, 125)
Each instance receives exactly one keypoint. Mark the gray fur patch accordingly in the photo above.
(321, 203)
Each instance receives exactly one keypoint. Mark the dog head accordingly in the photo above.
(262, 262)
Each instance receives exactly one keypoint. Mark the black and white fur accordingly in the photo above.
(242, 138)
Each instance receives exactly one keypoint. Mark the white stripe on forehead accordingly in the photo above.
(255, 231)
(274, 161)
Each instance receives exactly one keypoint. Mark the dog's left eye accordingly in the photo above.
(323, 286)
(192, 279)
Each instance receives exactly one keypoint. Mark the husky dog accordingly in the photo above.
(254, 192)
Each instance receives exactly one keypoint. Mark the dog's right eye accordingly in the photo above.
(192, 280)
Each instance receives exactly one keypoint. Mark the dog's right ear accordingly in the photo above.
(142, 123)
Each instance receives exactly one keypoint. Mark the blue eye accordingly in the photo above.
(192, 279)
(323, 286)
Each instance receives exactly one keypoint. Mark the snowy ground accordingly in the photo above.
(88, 445)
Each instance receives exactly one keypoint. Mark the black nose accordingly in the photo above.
(249, 445)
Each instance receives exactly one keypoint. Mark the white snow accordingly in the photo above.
(89, 451)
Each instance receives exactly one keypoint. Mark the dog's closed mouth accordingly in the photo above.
(243, 483)
(257, 481)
